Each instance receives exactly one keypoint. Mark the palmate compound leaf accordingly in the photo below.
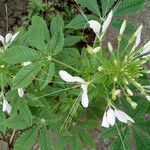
(57, 23)
(25, 111)
(16, 122)
(87, 139)
(107, 5)
(142, 139)
(79, 22)
(2, 120)
(118, 144)
(20, 54)
(74, 141)
(92, 5)
(46, 74)
(129, 6)
(45, 140)
(25, 76)
(56, 43)
(26, 140)
(38, 33)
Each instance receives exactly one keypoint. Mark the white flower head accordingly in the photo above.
(26, 63)
(95, 26)
(8, 39)
(20, 92)
(6, 106)
(69, 78)
(110, 116)
(107, 21)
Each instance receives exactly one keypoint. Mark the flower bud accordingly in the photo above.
(110, 47)
(123, 26)
(133, 105)
(148, 97)
(100, 68)
(129, 92)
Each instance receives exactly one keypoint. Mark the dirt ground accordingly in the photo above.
(16, 9)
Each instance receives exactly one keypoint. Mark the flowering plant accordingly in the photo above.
(49, 87)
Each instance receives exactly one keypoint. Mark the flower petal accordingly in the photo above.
(14, 37)
(8, 37)
(111, 117)
(120, 116)
(107, 21)
(79, 80)
(8, 108)
(2, 39)
(105, 121)
(66, 76)
(95, 25)
(84, 99)
(20, 92)
(4, 105)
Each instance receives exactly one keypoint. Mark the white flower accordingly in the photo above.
(95, 26)
(20, 92)
(107, 21)
(6, 106)
(69, 78)
(109, 117)
(26, 63)
(123, 26)
(8, 39)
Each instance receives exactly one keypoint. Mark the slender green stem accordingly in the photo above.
(54, 92)
(120, 137)
(66, 65)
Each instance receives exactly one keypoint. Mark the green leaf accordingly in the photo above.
(129, 6)
(25, 112)
(25, 76)
(57, 23)
(71, 40)
(62, 142)
(39, 23)
(56, 44)
(45, 140)
(16, 122)
(71, 56)
(19, 54)
(79, 22)
(2, 120)
(118, 145)
(107, 5)
(26, 140)
(130, 29)
(92, 5)
(75, 143)
(38, 33)
(142, 140)
(108, 133)
(89, 124)
(87, 139)
(46, 74)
